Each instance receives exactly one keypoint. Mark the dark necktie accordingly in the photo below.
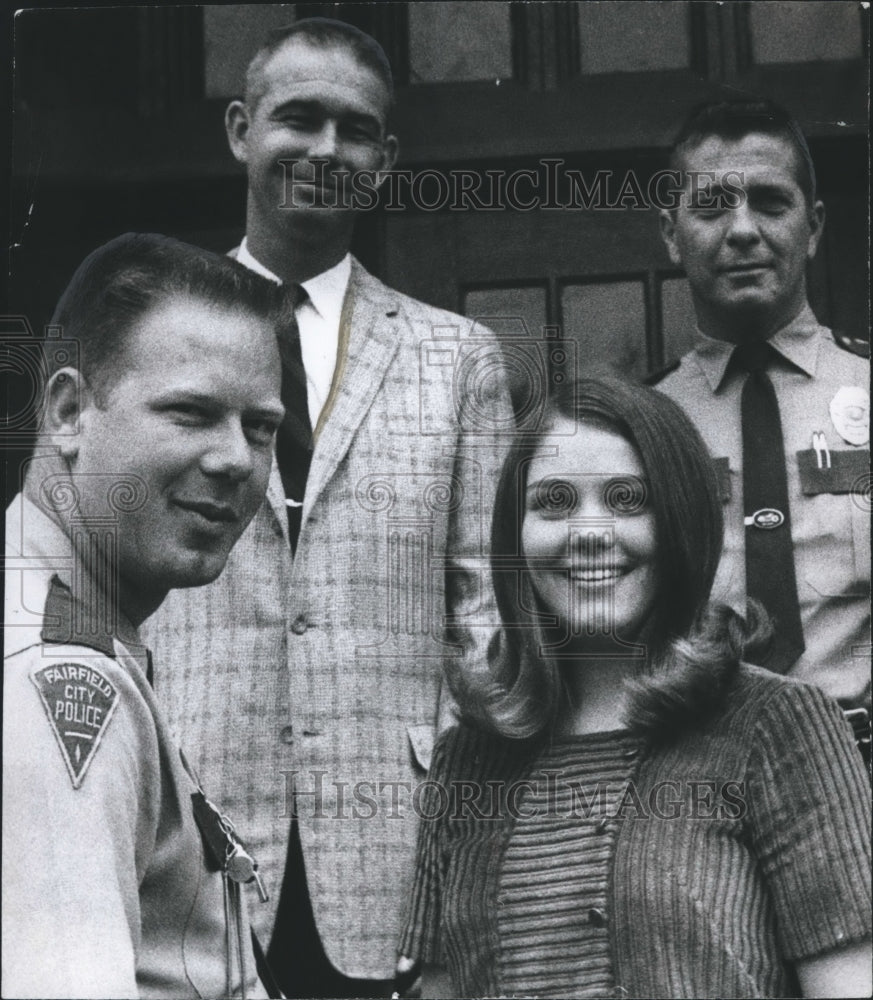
(770, 575)
(294, 439)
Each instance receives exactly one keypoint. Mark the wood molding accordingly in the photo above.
(388, 23)
(169, 59)
(545, 44)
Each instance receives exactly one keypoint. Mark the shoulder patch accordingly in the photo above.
(79, 702)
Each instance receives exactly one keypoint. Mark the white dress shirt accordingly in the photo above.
(319, 321)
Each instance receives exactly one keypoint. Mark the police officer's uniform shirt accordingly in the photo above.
(106, 892)
(318, 319)
(822, 391)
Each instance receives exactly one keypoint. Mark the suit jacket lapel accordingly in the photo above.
(276, 499)
(374, 337)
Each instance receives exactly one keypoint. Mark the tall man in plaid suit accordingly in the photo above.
(314, 667)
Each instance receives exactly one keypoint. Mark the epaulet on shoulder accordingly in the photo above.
(661, 373)
(854, 345)
(62, 615)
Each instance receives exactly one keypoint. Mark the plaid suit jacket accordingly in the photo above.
(319, 679)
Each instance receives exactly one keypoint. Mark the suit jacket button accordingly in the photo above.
(298, 626)
(597, 917)
(286, 734)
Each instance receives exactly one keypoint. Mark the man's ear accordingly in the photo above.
(667, 221)
(236, 124)
(67, 396)
(390, 149)
(816, 228)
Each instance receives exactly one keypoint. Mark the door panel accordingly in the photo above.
(608, 322)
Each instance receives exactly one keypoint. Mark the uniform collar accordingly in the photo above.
(326, 291)
(253, 264)
(34, 538)
(32, 535)
(798, 342)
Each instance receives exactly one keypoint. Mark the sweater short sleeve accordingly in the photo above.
(810, 822)
(421, 938)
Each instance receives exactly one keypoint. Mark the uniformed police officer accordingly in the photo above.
(119, 877)
(782, 405)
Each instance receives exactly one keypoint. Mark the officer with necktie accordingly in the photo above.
(782, 404)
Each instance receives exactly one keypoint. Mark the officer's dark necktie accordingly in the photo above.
(294, 439)
(770, 575)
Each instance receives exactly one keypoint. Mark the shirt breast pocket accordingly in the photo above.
(836, 522)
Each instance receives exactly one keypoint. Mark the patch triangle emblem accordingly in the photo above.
(79, 702)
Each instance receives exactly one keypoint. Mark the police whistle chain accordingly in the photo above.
(226, 852)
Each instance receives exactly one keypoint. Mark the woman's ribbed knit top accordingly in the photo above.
(604, 865)
(553, 882)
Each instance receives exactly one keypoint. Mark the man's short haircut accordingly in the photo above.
(735, 119)
(324, 33)
(123, 280)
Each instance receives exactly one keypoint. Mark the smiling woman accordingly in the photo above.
(621, 784)
(589, 536)
(619, 479)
